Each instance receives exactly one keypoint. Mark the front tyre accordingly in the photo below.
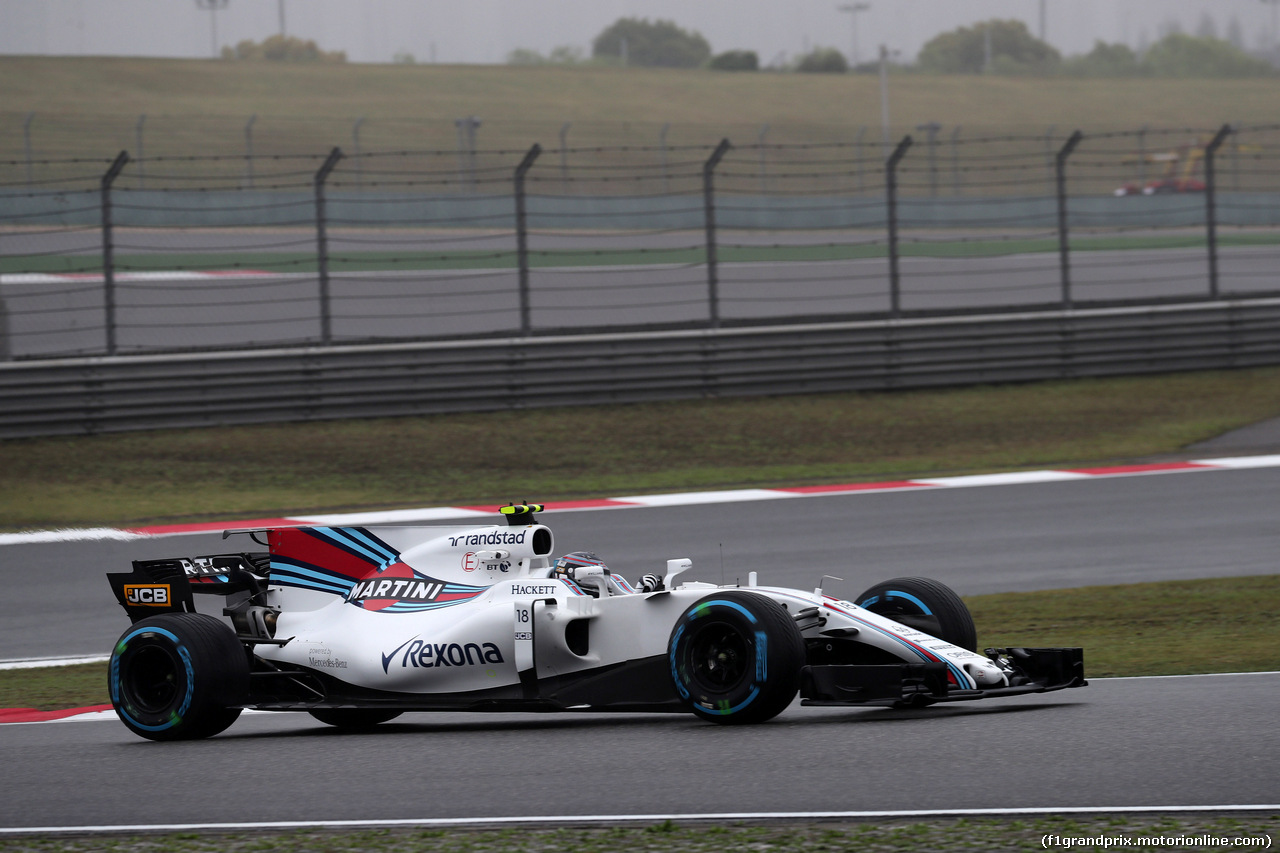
(736, 657)
(178, 676)
(926, 605)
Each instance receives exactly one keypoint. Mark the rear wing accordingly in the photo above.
(166, 586)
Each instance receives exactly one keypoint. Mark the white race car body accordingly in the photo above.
(478, 618)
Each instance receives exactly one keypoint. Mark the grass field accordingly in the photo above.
(483, 458)
(89, 107)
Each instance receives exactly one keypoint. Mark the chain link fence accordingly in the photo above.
(261, 244)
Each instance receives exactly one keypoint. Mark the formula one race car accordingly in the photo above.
(357, 625)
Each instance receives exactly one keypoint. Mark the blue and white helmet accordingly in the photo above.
(578, 565)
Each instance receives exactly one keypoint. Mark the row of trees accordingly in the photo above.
(281, 49)
(998, 47)
(1007, 47)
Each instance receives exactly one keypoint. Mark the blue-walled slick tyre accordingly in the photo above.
(736, 657)
(178, 676)
(926, 605)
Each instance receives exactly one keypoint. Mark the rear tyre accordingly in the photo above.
(736, 658)
(926, 605)
(353, 718)
(178, 676)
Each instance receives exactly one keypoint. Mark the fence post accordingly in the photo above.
(108, 250)
(891, 198)
(26, 146)
(564, 157)
(931, 139)
(467, 150)
(522, 238)
(662, 147)
(1048, 153)
(857, 161)
(1210, 205)
(955, 160)
(248, 148)
(709, 208)
(764, 181)
(1060, 177)
(322, 246)
(142, 166)
(1142, 157)
(355, 146)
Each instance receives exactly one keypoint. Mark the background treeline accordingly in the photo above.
(1003, 47)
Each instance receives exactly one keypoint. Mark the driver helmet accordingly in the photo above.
(577, 565)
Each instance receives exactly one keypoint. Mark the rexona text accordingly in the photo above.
(418, 653)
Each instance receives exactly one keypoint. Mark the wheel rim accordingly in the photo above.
(720, 657)
(151, 683)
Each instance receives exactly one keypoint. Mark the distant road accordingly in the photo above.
(54, 314)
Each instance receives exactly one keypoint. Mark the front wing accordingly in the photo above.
(1030, 671)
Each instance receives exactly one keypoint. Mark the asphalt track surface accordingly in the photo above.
(161, 310)
(1203, 524)
(1119, 743)
(1207, 740)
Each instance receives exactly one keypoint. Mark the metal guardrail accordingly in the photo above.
(111, 394)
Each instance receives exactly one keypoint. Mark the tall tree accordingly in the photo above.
(1179, 55)
(1012, 49)
(1207, 28)
(659, 44)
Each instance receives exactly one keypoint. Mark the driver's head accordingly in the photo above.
(579, 565)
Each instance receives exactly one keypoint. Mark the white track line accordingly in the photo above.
(71, 534)
(39, 663)
(559, 820)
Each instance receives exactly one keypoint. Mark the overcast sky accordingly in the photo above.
(485, 31)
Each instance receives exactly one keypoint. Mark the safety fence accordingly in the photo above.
(94, 395)
(165, 253)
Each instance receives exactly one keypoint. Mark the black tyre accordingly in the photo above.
(926, 605)
(354, 718)
(178, 676)
(736, 657)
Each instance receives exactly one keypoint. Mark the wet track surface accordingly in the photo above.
(1207, 740)
(1126, 742)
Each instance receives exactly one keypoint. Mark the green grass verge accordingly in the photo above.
(988, 834)
(413, 107)
(51, 688)
(556, 454)
(1166, 628)
(1169, 628)
(305, 262)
